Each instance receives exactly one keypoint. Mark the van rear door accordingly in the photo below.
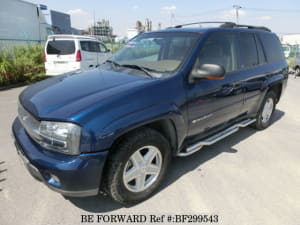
(60, 56)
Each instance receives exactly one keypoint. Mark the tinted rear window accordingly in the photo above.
(272, 47)
(60, 47)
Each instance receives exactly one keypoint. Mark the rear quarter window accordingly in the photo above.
(272, 47)
(60, 47)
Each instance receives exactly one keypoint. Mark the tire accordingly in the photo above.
(297, 71)
(266, 111)
(126, 174)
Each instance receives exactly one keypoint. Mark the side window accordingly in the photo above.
(85, 46)
(219, 48)
(94, 47)
(261, 54)
(102, 48)
(248, 50)
(272, 47)
(89, 46)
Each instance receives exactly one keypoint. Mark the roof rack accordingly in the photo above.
(232, 25)
(225, 24)
(58, 36)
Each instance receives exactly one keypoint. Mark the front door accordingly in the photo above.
(103, 53)
(214, 102)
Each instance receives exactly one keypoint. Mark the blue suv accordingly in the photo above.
(165, 93)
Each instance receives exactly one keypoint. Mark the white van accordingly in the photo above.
(66, 53)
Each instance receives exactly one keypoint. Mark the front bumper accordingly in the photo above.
(76, 176)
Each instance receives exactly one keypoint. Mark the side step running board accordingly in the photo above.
(213, 139)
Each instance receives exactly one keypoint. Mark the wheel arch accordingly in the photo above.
(277, 89)
(164, 126)
(275, 84)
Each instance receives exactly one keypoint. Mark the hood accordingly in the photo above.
(63, 97)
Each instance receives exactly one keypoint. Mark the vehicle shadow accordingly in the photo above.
(179, 167)
(2, 171)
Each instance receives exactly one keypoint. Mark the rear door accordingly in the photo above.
(60, 55)
(267, 49)
(89, 53)
(252, 61)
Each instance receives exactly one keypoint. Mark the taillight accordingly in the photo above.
(78, 56)
(45, 58)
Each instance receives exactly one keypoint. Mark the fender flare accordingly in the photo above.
(129, 122)
(271, 81)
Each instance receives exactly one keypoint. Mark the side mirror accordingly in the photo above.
(209, 71)
(107, 50)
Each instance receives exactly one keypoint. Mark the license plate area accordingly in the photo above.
(60, 62)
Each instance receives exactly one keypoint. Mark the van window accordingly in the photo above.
(60, 47)
(219, 48)
(102, 48)
(90, 46)
(272, 47)
(248, 50)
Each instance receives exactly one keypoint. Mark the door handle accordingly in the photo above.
(227, 89)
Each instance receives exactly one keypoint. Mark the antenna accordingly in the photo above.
(94, 23)
(237, 8)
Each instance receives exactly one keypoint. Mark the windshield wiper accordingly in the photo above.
(144, 69)
(113, 62)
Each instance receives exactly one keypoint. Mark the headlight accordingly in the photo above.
(60, 136)
(57, 136)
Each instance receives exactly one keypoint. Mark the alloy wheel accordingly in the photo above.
(267, 110)
(142, 168)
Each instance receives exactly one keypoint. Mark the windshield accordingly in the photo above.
(159, 52)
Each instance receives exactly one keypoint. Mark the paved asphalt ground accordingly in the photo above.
(249, 178)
